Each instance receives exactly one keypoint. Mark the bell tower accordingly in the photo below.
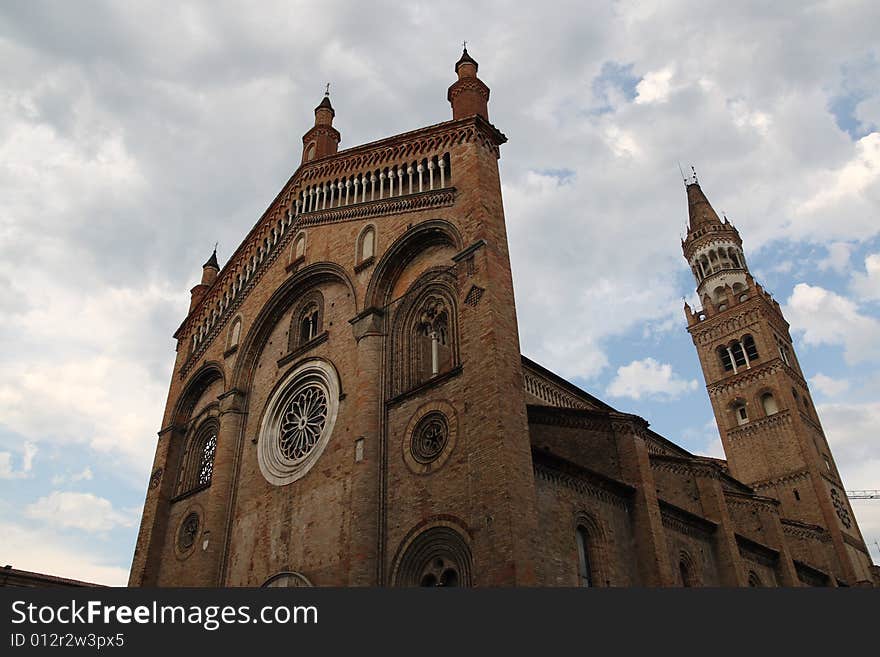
(769, 427)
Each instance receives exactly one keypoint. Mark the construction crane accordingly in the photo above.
(863, 494)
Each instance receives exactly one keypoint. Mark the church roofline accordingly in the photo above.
(305, 168)
(568, 385)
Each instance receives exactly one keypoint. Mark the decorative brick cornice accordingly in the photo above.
(804, 530)
(547, 391)
(560, 472)
(747, 377)
(568, 417)
(810, 574)
(779, 419)
(751, 502)
(685, 466)
(396, 205)
(403, 146)
(756, 552)
(785, 479)
(685, 522)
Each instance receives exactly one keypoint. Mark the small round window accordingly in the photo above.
(298, 422)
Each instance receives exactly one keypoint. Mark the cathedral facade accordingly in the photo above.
(349, 405)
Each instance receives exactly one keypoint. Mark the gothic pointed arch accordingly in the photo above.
(286, 296)
(200, 380)
(424, 331)
(421, 236)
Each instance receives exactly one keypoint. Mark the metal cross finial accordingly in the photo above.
(464, 45)
(327, 90)
(216, 244)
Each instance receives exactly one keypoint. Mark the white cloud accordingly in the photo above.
(867, 286)
(8, 471)
(83, 511)
(837, 258)
(825, 317)
(84, 475)
(44, 551)
(648, 378)
(828, 385)
(857, 176)
(655, 86)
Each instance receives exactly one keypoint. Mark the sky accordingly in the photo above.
(133, 136)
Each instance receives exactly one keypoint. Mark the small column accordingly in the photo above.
(442, 166)
(400, 181)
(732, 359)
(381, 184)
(332, 193)
(347, 188)
(431, 174)
(409, 173)
(372, 186)
(420, 170)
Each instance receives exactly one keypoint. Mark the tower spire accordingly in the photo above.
(700, 211)
(322, 139)
(468, 95)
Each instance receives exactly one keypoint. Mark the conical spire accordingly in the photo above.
(212, 261)
(210, 269)
(700, 211)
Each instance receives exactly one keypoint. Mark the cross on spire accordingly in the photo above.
(464, 45)
(327, 90)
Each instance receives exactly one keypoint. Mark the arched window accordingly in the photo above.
(299, 247)
(739, 356)
(308, 323)
(234, 333)
(724, 356)
(197, 463)
(748, 343)
(437, 557)
(424, 338)
(684, 572)
(754, 580)
(307, 320)
(366, 245)
(769, 404)
(585, 577)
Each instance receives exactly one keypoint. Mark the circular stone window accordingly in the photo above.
(298, 422)
(188, 533)
(430, 437)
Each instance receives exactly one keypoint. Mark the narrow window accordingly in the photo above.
(742, 416)
(754, 580)
(367, 244)
(797, 495)
(309, 324)
(726, 362)
(206, 463)
(827, 463)
(769, 404)
(738, 355)
(750, 347)
(583, 547)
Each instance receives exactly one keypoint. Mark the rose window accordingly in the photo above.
(298, 422)
(303, 422)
